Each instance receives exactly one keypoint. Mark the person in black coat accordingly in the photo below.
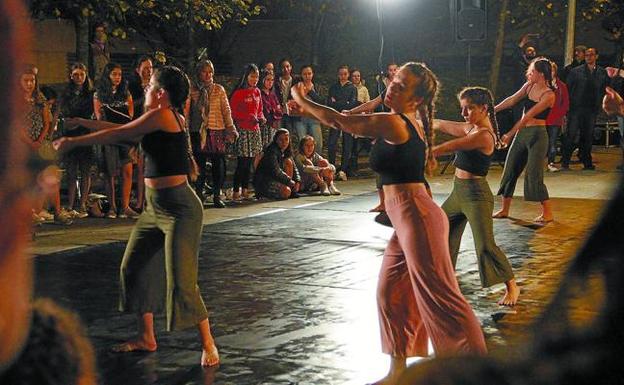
(276, 175)
(586, 86)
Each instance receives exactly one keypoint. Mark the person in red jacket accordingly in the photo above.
(246, 104)
(556, 117)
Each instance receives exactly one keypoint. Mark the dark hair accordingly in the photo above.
(105, 86)
(49, 93)
(199, 67)
(37, 96)
(242, 82)
(87, 86)
(281, 62)
(176, 83)
(141, 59)
(482, 97)
(427, 89)
(279, 132)
(263, 75)
(306, 66)
(343, 67)
(303, 141)
(544, 66)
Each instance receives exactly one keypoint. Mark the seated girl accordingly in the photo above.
(276, 176)
(317, 174)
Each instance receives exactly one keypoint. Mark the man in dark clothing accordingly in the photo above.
(579, 60)
(524, 53)
(586, 85)
(342, 96)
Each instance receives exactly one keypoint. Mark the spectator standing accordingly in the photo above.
(305, 125)
(586, 85)
(100, 51)
(282, 89)
(271, 107)
(363, 97)
(579, 60)
(556, 117)
(342, 97)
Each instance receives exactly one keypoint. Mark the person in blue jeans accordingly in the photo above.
(342, 96)
(304, 125)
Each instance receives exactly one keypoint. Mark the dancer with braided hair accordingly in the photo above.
(418, 296)
(171, 221)
(530, 140)
(471, 200)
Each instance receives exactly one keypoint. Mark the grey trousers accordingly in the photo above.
(528, 149)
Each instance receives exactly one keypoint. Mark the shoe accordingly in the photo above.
(218, 203)
(333, 190)
(341, 176)
(36, 219)
(63, 218)
(295, 195)
(324, 190)
(590, 167)
(81, 213)
(552, 167)
(128, 213)
(111, 214)
(45, 215)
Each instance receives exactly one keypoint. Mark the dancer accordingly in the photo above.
(471, 199)
(418, 294)
(530, 145)
(172, 219)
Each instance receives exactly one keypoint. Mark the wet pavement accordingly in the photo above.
(290, 286)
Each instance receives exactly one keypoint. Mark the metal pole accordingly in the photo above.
(569, 44)
(468, 64)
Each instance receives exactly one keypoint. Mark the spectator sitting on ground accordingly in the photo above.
(276, 176)
(57, 351)
(317, 174)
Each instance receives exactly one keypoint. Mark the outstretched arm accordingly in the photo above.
(450, 127)
(513, 99)
(366, 107)
(384, 125)
(482, 140)
(545, 102)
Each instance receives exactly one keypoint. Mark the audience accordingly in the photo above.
(276, 175)
(316, 172)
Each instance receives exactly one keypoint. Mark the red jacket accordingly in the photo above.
(246, 104)
(561, 106)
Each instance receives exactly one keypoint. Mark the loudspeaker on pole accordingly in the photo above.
(469, 19)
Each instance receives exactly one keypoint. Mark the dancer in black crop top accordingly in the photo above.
(530, 145)
(433, 308)
(471, 200)
(173, 201)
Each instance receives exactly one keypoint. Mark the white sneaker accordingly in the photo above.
(333, 190)
(324, 189)
(552, 167)
(341, 176)
(45, 215)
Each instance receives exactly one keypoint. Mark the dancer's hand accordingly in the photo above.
(506, 139)
(63, 144)
(612, 103)
(299, 89)
(294, 108)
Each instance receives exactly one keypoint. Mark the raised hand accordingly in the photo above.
(612, 103)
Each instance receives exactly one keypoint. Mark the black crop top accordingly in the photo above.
(528, 104)
(400, 163)
(474, 161)
(166, 153)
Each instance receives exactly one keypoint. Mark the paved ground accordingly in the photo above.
(290, 285)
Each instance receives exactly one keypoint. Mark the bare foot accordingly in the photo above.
(390, 379)
(500, 214)
(511, 294)
(377, 209)
(135, 346)
(210, 356)
(542, 219)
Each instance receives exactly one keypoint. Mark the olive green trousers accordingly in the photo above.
(160, 264)
(471, 201)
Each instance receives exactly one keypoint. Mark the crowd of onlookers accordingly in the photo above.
(579, 88)
(251, 125)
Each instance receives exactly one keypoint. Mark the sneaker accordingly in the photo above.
(218, 203)
(590, 167)
(128, 213)
(333, 190)
(552, 167)
(63, 218)
(341, 176)
(36, 219)
(45, 215)
(294, 194)
(325, 190)
(111, 214)
(81, 213)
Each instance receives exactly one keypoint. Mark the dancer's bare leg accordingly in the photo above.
(145, 341)
(512, 293)
(547, 213)
(210, 354)
(380, 207)
(397, 367)
(504, 211)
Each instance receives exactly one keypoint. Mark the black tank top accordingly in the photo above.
(400, 163)
(166, 153)
(528, 104)
(474, 161)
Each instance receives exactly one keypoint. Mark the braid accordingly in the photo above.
(432, 163)
(498, 144)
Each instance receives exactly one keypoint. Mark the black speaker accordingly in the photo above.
(470, 19)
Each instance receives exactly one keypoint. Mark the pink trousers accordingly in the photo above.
(418, 296)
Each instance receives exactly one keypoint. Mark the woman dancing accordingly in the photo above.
(418, 295)
(530, 145)
(171, 220)
(471, 199)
